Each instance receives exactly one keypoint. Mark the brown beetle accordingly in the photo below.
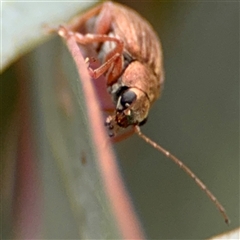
(130, 58)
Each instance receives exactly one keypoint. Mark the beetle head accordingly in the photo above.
(131, 109)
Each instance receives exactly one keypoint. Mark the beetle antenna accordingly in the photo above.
(185, 169)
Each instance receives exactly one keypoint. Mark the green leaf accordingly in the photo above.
(24, 24)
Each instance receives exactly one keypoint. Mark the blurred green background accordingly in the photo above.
(197, 119)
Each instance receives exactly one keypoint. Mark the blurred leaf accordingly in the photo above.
(73, 188)
(23, 24)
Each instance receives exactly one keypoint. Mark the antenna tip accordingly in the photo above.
(227, 221)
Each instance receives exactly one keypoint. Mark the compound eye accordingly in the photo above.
(127, 98)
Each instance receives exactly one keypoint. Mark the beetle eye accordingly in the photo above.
(127, 98)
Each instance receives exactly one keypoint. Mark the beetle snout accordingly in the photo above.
(132, 108)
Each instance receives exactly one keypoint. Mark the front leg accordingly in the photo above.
(114, 57)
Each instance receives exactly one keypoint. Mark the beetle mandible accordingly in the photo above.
(130, 58)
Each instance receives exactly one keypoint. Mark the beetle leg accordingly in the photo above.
(104, 19)
(89, 38)
(96, 73)
(103, 15)
(81, 20)
(114, 69)
(112, 57)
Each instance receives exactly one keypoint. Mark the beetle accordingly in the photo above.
(130, 57)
